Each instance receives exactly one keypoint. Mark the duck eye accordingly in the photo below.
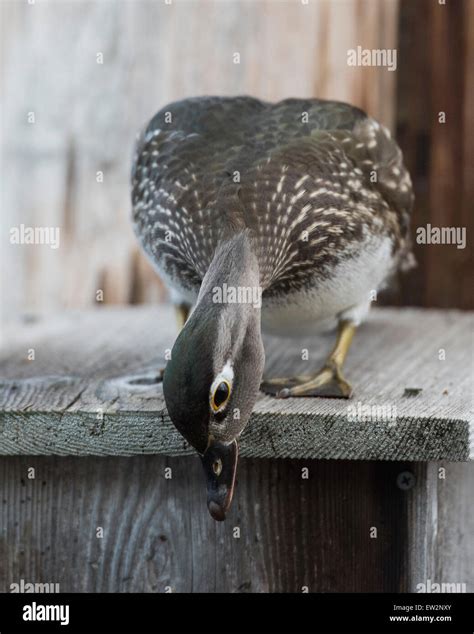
(220, 396)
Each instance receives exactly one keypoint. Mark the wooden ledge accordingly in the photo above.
(92, 390)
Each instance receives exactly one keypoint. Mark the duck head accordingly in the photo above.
(212, 380)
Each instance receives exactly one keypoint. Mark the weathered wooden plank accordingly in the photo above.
(294, 532)
(440, 523)
(451, 187)
(91, 389)
(435, 78)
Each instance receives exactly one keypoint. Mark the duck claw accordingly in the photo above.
(328, 383)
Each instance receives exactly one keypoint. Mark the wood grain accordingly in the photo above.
(87, 115)
(157, 532)
(92, 389)
(440, 524)
(436, 46)
(294, 532)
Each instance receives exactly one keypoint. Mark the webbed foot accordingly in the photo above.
(328, 382)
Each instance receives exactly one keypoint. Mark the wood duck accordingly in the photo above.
(286, 217)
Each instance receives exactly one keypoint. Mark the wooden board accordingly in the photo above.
(92, 389)
(294, 532)
(436, 44)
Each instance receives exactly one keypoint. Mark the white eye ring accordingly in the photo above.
(224, 386)
(226, 375)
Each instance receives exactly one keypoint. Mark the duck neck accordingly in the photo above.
(233, 277)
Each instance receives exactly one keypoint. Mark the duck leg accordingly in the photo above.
(182, 313)
(329, 381)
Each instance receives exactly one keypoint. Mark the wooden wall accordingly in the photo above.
(87, 115)
(436, 52)
(293, 532)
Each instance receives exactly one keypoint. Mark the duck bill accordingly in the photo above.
(220, 466)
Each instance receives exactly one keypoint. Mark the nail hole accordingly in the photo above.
(217, 466)
(406, 480)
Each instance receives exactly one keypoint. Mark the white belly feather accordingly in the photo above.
(347, 293)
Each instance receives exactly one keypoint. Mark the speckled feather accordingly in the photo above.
(316, 179)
